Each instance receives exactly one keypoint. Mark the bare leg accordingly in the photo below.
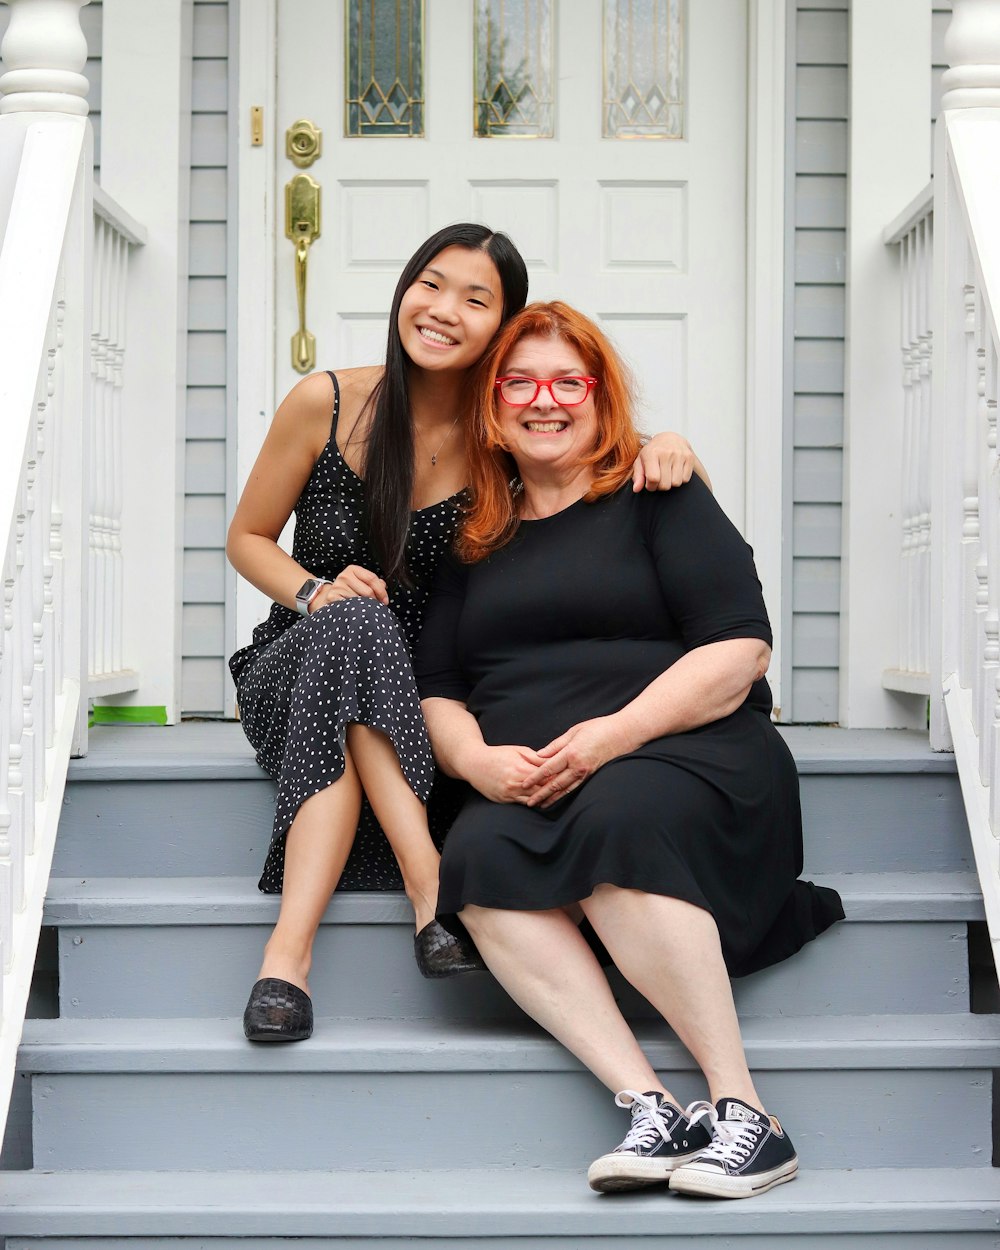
(546, 966)
(319, 842)
(670, 951)
(401, 814)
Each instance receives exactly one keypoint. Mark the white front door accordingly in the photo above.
(645, 234)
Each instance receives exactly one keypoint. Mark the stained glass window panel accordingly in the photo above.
(385, 67)
(643, 69)
(514, 72)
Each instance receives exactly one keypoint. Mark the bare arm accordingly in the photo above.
(499, 773)
(667, 460)
(297, 436)
(704, 685)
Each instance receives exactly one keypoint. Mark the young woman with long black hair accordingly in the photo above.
(326, 689)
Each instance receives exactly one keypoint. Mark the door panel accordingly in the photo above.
(646, 235)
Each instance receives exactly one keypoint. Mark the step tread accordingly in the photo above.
(884, 896)
(218, 750)
(341, 1044)
(496, 1202)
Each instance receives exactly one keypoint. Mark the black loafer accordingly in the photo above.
(441, 954)
(278, 1011)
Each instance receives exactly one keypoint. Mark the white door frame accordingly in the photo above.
(257, 216)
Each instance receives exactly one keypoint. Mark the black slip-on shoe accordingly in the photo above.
(440, 954)
(277, 1011)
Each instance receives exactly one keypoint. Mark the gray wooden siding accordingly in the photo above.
(818, 218)
(203, 640)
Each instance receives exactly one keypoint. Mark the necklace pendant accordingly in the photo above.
(434, 461)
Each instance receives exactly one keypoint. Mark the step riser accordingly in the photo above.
(376, 1120)
(195, 970)
(946, 1240)
(856, 823)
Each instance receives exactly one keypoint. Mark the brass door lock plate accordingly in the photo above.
(303, 143)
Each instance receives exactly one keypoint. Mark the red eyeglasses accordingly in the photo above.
(567, 392)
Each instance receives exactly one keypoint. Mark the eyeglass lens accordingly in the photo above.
(523, 391)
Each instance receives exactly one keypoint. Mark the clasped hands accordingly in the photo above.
(516, 774)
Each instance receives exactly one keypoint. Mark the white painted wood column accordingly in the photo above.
(890, 163)
(145, 145)
(765, 316)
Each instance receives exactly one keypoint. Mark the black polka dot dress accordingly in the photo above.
(304, 679)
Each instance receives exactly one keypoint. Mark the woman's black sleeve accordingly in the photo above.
(439, 674)
(704, 566)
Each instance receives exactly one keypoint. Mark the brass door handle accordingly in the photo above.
(302, 225)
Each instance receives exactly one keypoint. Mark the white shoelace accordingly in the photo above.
(733, 1141)
(647, 1124)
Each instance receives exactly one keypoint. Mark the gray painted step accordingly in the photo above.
(191, 947)
(515, 1209)
(111, 1094)
(190, 800)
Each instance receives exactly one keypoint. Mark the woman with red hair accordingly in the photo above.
(593, 665)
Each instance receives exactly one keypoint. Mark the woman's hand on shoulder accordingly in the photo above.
(667, 460)
(500, 773)
(573, 757)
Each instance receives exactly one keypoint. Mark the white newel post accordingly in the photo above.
(890, 163)
(145, 142)
(45, 228)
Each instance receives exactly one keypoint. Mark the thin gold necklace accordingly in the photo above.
(435, 454)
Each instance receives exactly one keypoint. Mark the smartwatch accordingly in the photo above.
(307, 592)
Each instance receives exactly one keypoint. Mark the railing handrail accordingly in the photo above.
(973, 149)
(29, 264)
(921, 206)
(108, 209)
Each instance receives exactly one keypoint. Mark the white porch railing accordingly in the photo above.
(60, 463)
(115, 234)
(913, 233)
(949, 241)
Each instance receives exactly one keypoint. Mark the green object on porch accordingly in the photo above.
(104, 715)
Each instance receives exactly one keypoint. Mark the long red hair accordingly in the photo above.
(491, 518)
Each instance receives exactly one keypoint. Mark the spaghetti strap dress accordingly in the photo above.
(304, 679)
(572, 620)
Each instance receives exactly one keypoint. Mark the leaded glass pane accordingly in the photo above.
(514, 72)
(385, 67)
(643, 69)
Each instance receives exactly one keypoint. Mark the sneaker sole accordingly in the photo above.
(715, 1185)
(615, 1173)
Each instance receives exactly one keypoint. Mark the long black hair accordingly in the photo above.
(388, 460)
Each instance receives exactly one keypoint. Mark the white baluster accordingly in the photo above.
(15, 716)
(925, 355)
(56, 515)
(8, 831)
(970, 496)
(988, 681)
(117, 607)
(98, 355)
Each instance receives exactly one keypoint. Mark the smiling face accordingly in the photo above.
(545, 435)
(449, 314)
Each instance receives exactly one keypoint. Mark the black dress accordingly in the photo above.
(571, 620)
(304, 679)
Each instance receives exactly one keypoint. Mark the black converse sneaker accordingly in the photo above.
(661, 1138)
(749, 1154)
